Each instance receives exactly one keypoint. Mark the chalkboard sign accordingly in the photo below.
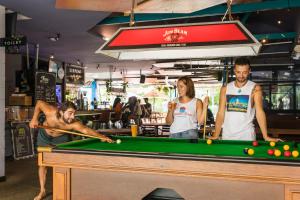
(22, 140)
(45, 85)
(75, 75)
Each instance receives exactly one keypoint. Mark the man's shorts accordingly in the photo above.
(43, 139)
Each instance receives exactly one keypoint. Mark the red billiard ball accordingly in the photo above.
(271, 152)
(287, 154)
(255, 143)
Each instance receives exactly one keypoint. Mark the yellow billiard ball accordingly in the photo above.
(272, 144)
(209, 141)
(295, 153)
(277, 153)
(250, 152)
(286, 147)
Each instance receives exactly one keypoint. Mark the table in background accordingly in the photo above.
(155, 126)
(86, 116)
(115, 131)
(91, 169)
(275, 132)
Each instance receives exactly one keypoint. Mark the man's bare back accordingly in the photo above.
(63, 118)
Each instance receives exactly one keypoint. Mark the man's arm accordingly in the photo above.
(220, 114)
(260, 113)
(77, 126)
(41, 106)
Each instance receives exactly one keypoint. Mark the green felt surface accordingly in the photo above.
(180, 146)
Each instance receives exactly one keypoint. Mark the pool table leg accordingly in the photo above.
(61, 183)
(292, 192)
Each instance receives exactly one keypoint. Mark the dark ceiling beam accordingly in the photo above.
(276, 36)
(212, 11)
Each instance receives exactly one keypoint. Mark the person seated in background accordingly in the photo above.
(117, 108)
(186, 112)
(95, 103)
(132, 110)
(147, 108)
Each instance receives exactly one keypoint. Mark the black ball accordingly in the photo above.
(246, 150)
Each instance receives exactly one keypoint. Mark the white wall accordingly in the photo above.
(2, 92)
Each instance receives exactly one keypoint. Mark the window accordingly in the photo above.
(288, 75)
(261, 75)
(266, 96)
(282, 97)
(298, 97)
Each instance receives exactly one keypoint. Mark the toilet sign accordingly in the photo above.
(12, 41)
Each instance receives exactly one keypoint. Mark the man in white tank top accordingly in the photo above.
(239, 101)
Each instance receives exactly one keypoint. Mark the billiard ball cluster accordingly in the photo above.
(286, 151)
(276, 152)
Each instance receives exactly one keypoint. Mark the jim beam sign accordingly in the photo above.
(75, 75)
(175, 35)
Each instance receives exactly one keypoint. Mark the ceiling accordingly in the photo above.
(82, 31)
(75, 42)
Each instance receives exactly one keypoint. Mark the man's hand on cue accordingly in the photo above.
(106, 139)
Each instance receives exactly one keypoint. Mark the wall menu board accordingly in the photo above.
(22, 140)
(75, 75)
(45, 85)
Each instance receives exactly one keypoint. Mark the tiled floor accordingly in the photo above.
(22, 180)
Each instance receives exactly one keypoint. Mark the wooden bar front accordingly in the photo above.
(96, 176)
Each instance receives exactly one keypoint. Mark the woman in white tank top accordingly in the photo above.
(185, 112)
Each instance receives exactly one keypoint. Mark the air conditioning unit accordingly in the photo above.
(296, 52)
(297, 48)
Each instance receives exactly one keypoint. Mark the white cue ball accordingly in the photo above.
(118, 141)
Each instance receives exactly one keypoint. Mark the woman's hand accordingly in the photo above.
(171, 106)
(206, 102)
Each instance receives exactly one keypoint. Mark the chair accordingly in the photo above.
(165, 130)
(148, 130)
(113, 116)
(102, 119)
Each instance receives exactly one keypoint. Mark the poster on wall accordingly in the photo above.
(22, 140)
(45, 87)
(74, 75)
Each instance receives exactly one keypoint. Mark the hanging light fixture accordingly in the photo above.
(184, 41)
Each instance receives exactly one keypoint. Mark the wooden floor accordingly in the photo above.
(22, 180)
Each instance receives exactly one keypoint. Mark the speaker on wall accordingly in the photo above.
(10, 24)
(142, 79)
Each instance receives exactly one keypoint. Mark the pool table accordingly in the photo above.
(91, 169)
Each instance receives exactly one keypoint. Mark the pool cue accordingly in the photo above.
(205, 116)
(68, 132)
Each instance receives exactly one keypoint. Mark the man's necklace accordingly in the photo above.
(240, 89)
